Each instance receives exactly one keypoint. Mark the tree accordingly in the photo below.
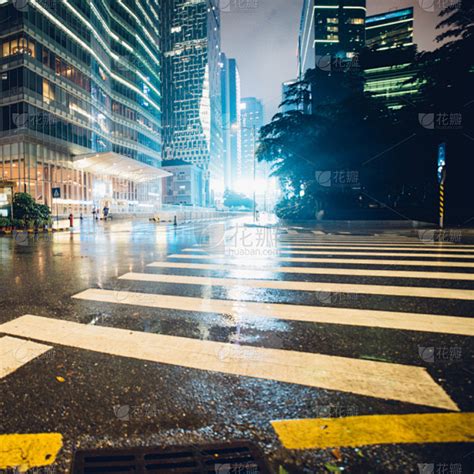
(236, 200)
(445, 77)
(27, 211)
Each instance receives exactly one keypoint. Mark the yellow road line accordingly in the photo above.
(354, 431)
(289, 312)
(256, 260)
(404, 383)
(387, 290)
(14, 353)
(29, 450)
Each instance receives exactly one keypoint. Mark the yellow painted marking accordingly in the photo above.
(366, 261)
(360, 254)
(363, 377)
(247, 269)
(306, 313)
(14, 353)
(388, 290)
(354, 431)
(26, 451)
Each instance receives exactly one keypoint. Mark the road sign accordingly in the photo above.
(441, 163)
(56, 193)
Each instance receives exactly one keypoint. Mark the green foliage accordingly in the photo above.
(236, 200)
(393, 154)
(5, 222)
(27, 212)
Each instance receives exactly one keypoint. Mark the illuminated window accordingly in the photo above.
(333, 21)
(18, 46)
(356, 21)
(333, 29)
(48, 92)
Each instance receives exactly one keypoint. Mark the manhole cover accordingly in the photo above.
(223, 458)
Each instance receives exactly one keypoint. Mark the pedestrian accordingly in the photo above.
(71, 220)
(94, 212)
(106, 212)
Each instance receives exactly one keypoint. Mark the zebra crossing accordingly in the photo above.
(443, 272)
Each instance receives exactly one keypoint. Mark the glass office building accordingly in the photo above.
(192, 122)
(332, 34)
(81, 102)
(390, 65)
(231, 132)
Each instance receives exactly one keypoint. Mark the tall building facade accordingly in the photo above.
(389, 65)
(231, 93)
(252, 120)
(191, 75)
(81, 103)
(332, 35)
(391, 30)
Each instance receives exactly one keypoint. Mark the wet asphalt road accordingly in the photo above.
(173, 405)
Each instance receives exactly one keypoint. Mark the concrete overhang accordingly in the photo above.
(118, 166)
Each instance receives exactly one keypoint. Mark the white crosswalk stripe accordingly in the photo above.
(15, 353)
(376, 379)
(257, 260)
(387, 290)
(312, 314)
(420, 248)
(359, 254)
(391, 381)
(244, 268)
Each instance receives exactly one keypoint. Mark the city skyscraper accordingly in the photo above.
(230, 82)
(192, 122)
(252, 119)
(81, 103)
(390, 30)
(331, 37)
(390, 63)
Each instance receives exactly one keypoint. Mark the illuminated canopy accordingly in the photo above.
(118, 166)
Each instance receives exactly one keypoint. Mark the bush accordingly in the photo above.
(5, 222)
(27, 212)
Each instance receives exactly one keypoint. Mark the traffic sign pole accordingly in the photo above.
(56, 192)
(441, 182)
(441, 206)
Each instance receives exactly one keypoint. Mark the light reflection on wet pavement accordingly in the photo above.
(40, 276)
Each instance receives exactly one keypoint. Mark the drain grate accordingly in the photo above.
(222, 458)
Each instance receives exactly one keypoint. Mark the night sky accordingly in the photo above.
(262, 35)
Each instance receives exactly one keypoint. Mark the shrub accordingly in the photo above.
(27, 212)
